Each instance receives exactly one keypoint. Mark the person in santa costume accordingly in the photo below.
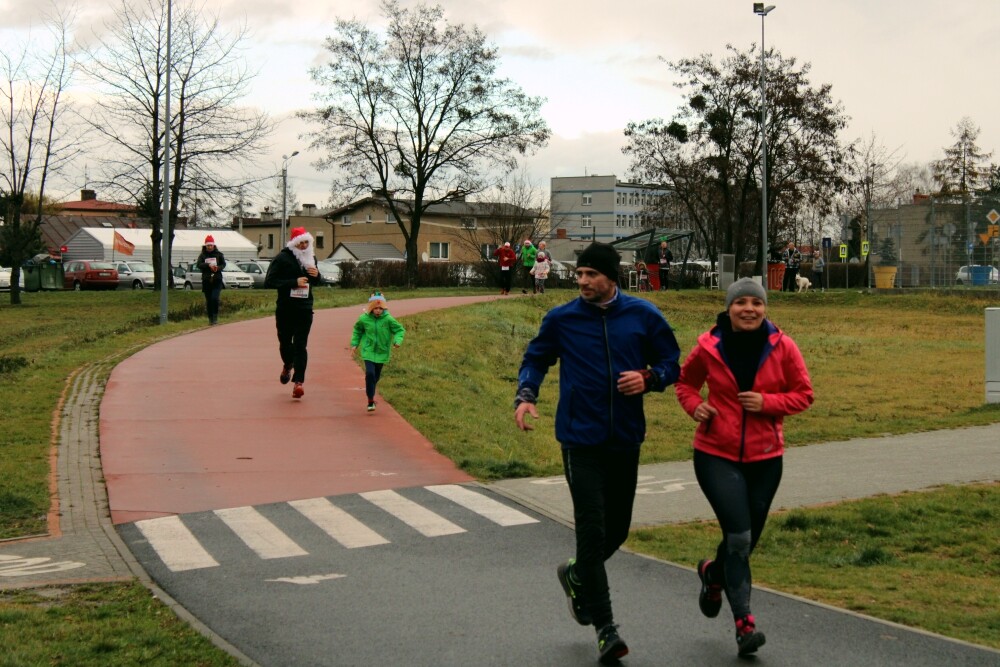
(294, 274)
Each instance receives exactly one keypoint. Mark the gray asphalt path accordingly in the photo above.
(813, 475)
(486, 594)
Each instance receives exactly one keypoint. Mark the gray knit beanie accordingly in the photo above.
(745, 287)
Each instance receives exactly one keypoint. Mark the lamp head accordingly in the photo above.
(759, 8)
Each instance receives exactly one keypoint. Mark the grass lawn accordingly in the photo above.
(880, 364)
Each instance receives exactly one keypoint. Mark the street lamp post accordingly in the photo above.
(284, 196)
(762, 11)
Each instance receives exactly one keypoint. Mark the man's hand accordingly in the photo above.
(521, 411)
(312, 271)
(631, 383)
(302, 281)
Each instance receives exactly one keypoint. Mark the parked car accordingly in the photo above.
(81, 274)
(963, 277)
(233, 277)
(5, 279)
(256, 269)
(329, 271)
(135, 275)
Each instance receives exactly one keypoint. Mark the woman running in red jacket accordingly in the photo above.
(755, 376)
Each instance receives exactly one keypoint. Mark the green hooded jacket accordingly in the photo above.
(377, 335)
(528, 254)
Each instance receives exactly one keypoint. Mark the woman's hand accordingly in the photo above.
(752, 401)
(704, 412)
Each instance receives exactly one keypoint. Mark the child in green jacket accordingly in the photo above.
(376, 332)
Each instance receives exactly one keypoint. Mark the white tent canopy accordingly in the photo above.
(98, 243)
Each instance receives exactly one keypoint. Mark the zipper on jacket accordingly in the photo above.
(611, 380)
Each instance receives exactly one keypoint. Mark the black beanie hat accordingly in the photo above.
(602, 258)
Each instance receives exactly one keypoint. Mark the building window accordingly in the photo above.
(388, 219)
(468, 223)
(270, 241)
(618, 198)
(486, 250)
(346, 221)
(319, 240)
(369, 220)
(587, 221)
(588, 199)
(439, 250)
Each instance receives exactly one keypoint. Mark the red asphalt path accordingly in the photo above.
(200, 422)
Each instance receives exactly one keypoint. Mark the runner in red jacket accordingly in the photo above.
(507, 258)
(755, 376)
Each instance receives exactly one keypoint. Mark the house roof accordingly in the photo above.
(57, 229)
(96, 205)
(446, 209)
(365, 250)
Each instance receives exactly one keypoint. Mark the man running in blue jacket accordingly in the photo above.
(612, 349)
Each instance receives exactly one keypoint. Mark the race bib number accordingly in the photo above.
(505, 268)
(299, 292)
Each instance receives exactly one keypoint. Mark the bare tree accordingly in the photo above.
(211, 134)
(33, 143)
(418, 113)
(512, 210)
(709, 153)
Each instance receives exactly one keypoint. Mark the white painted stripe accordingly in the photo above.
(266, 540)
(337, 523)
(174, 544)
(419, 518)
(491, 509)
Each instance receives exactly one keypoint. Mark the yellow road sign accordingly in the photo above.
(843, 251)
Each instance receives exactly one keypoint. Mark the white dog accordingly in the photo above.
(803, 283)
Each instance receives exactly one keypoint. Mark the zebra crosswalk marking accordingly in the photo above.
(496, 512)
(180, 550)
(337, 523)
(176, 546)
(263, 537)
(419, 518)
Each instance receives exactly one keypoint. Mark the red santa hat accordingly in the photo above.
(298, 235)
(209, 240)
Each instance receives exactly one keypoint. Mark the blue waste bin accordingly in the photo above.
(980, 275)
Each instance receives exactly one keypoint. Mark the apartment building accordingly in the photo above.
(599, 208)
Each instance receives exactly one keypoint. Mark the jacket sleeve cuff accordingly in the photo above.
(648, 379)
(525, 395)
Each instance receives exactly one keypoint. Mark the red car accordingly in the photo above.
(80, 274)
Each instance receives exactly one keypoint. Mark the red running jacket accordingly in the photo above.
(734, 433)
(505, 255)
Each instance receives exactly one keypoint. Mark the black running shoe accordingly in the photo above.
(577, 608)
(610, 646)
(748, 639)
(286, 374)
(710, 597)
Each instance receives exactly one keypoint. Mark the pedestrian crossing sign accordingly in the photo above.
(864, 248)
(843, 251)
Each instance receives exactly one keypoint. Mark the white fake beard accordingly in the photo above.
(307, 258)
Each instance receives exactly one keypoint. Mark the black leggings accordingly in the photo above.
(602, 485)
(740, 495)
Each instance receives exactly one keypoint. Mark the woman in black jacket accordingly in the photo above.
(210, 262)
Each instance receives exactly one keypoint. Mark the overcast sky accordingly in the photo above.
(905, 70)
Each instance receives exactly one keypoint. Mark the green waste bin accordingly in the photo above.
(32, 276)
(50, 274)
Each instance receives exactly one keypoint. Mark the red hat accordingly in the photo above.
(209, 240)
(297, 231)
